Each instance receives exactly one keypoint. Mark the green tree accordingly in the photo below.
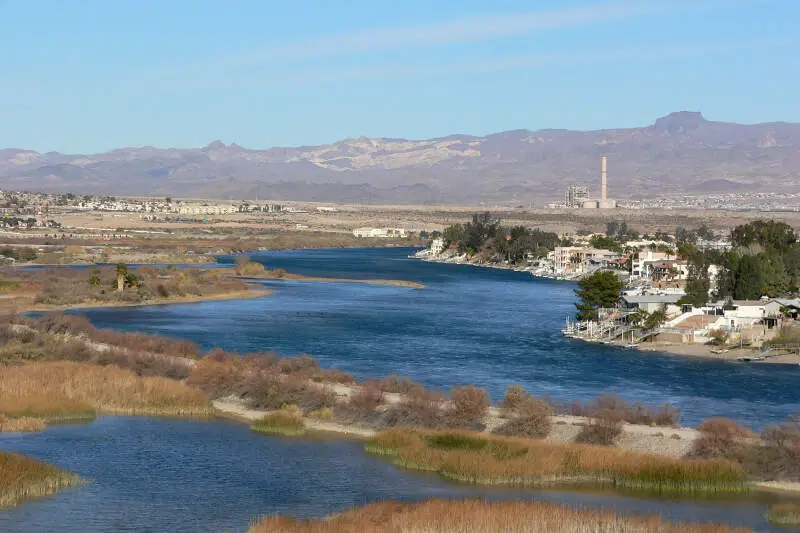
(749, 282)
(453, 235)
(772, 235)
(601, 289)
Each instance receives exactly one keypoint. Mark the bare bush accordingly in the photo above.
(421, 408)
(604, 428)
(720, 437)
(397, 385)
(513, 396)
(533, 420)
(469, 406)
(362, 405)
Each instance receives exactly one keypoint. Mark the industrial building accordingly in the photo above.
(576, 195)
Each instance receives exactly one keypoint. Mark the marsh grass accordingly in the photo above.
(21, 425)
(283, 423)
(23, 478)
(784, 514)
(65, 391)
(477, 516)
(489, 460)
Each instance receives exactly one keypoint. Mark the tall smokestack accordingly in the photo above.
(603, 177)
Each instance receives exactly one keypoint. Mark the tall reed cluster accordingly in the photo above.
(23, 478)
(474, 516)
(61, 391)
(489, 460)
(784, 514)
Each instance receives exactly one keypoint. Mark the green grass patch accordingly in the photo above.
(456, 441)
(784, 514)
(280, 423)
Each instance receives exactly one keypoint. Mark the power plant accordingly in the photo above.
(603, 202)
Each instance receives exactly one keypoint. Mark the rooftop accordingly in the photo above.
(652, 298)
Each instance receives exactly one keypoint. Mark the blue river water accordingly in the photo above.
(178, 476)
(467, 326)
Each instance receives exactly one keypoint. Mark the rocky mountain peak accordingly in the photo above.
(680, 122)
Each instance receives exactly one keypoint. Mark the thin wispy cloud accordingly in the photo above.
(630, 54)
(468, 30)
(462, 31)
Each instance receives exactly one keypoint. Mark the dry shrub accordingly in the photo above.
(533, 420)
(246, 267)
(479, 516)
(303, 364)
(362, 405)
(334, 375)
(720, 437)
(603, 429)
(397, 385)
(638, 413)
(468, 407)
(59, 323)
(217, 376)
(66, 387)
(513, 396)
(420, 408)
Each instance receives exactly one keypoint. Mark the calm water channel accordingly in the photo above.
(168, 476)
(468, 325)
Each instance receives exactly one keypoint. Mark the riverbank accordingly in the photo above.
(235, 295)
(705, 351)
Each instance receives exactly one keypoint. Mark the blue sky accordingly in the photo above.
(92, 75)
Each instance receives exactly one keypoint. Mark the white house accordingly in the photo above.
(437, 246)
(380, 233)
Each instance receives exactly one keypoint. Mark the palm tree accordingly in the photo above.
(122, 272)
(656, 318)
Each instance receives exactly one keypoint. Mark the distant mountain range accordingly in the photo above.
(680, 153)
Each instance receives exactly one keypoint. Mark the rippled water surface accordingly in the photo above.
(178, 476)
(469, 325)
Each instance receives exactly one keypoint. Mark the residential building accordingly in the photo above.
(381, 233)
(653, 302)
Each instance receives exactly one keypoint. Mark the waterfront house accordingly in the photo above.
(653, 302)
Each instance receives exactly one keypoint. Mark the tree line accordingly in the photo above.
(764, 260)
(485, 235)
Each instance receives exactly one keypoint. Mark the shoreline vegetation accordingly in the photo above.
(59, 366)
(23, 478)
(46, 290)
(477, 516)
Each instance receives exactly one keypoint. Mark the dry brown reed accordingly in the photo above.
(784, 514)
(23, 478)
(482, 459)
(59, 390)
(24, 424)
(474, 516)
